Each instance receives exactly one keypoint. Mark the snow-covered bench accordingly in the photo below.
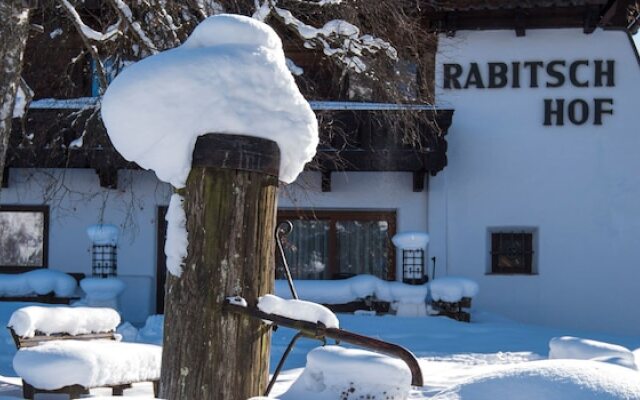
(40, 286)
(73, 349)
(451, 295)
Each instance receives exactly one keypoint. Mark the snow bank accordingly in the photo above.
(37, 282)
(298, 309)
(230, 76)
(452, 289)
(549, 379)
(175, 247)
(569, 347)
(72, 320)
(127, 332)
(152, 331)
(59, 363)
(103, 234)
(353, 289)
(333, 372)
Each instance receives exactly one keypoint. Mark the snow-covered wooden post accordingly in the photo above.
(221, 119)
(230, 207)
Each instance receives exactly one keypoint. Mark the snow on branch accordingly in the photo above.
(125, 12)
(85, 30)
(338, 38)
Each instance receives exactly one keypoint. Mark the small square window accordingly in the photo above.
(512, 252)
(23, 237)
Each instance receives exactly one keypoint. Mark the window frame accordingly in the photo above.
(336, 215)
(494, 269)
(45, 237)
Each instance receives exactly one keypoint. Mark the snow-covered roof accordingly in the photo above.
(319, 105)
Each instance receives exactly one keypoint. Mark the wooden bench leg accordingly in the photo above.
(27, 391)
(156, 388)
(76, 391)
(118, 390)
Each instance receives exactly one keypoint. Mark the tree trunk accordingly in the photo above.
(230, 203)
(14, 30)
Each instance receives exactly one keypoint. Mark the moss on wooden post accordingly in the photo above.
(230, 203)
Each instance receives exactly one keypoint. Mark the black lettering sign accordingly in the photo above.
(533, 66)
(601, 72)
(573, 73)
(474, 77)
(554, 73)
(498, 75)
(600, 110)
(578, 111)
(452, 73)
(552, 111)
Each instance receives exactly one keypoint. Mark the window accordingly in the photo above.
(340, 244)
(24, 234)
(512, 251)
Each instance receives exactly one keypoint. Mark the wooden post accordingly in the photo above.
(230, 203)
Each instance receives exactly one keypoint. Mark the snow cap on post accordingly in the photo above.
(230, 76)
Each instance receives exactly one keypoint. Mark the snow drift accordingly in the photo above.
(550, 380)
(569, 347)
(333, 372)
(230, 76)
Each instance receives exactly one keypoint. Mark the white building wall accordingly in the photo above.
(578, 185)
(76, 201)
(362, 191)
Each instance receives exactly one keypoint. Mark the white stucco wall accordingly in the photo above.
(362, 191)
(578, 185)
(76, 201)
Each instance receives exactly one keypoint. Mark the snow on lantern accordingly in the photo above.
(413, 246)
(104, 253)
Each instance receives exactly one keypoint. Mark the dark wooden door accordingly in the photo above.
(161, 263)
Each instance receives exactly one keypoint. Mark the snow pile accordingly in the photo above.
(103, 234)
(298, 309)
(353, 289)
(175, 247)
(102, 289)
(333, 372)
(452, 289)
(411, 240)
(59, 363)
(127, 332)
(72, 320)
(37, 282)
(569, 347)
(230, 76)
(152, 331)
(549, 379)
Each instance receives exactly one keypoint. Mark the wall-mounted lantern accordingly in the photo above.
(412, 246)
(104, 250)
